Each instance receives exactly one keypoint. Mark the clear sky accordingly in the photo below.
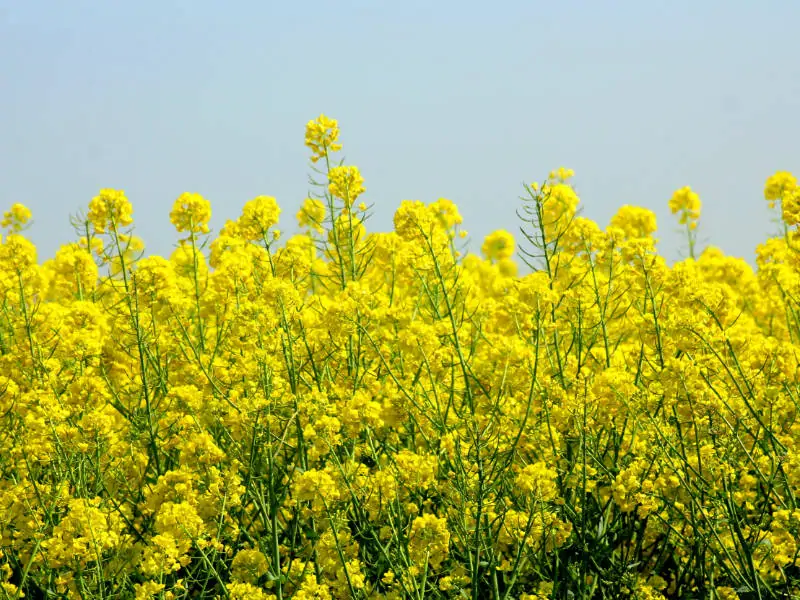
(463, 100)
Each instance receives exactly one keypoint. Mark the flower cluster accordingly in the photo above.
(686, 204)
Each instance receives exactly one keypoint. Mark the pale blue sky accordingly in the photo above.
(462, 100)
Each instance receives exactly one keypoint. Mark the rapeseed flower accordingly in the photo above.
(342, 413)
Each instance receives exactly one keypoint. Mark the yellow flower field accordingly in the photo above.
(346, 414)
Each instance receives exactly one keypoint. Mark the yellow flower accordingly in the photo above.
(726, 593)
(18, 253)
(559, 207)
(415, 471)
(778, 185)
(561, 174)
(321, 136)
(312, 215)
(190, 213)
(258, 215)
(343, 412)
(16, 218)
(85, 534)
(148, 590)
(248, 591)
(311, 590)
(498, 246)
(634, 222)
(110, 208)
(249, 565)
(539, 480)
(447, 213)
(346, 183)
(318, 487)
(413, 220)
(686, 203)
(429, 540)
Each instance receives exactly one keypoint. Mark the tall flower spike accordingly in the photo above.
(321, 136)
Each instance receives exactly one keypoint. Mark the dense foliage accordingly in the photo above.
(344, 414)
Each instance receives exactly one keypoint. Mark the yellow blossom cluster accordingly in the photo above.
(350, 414)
